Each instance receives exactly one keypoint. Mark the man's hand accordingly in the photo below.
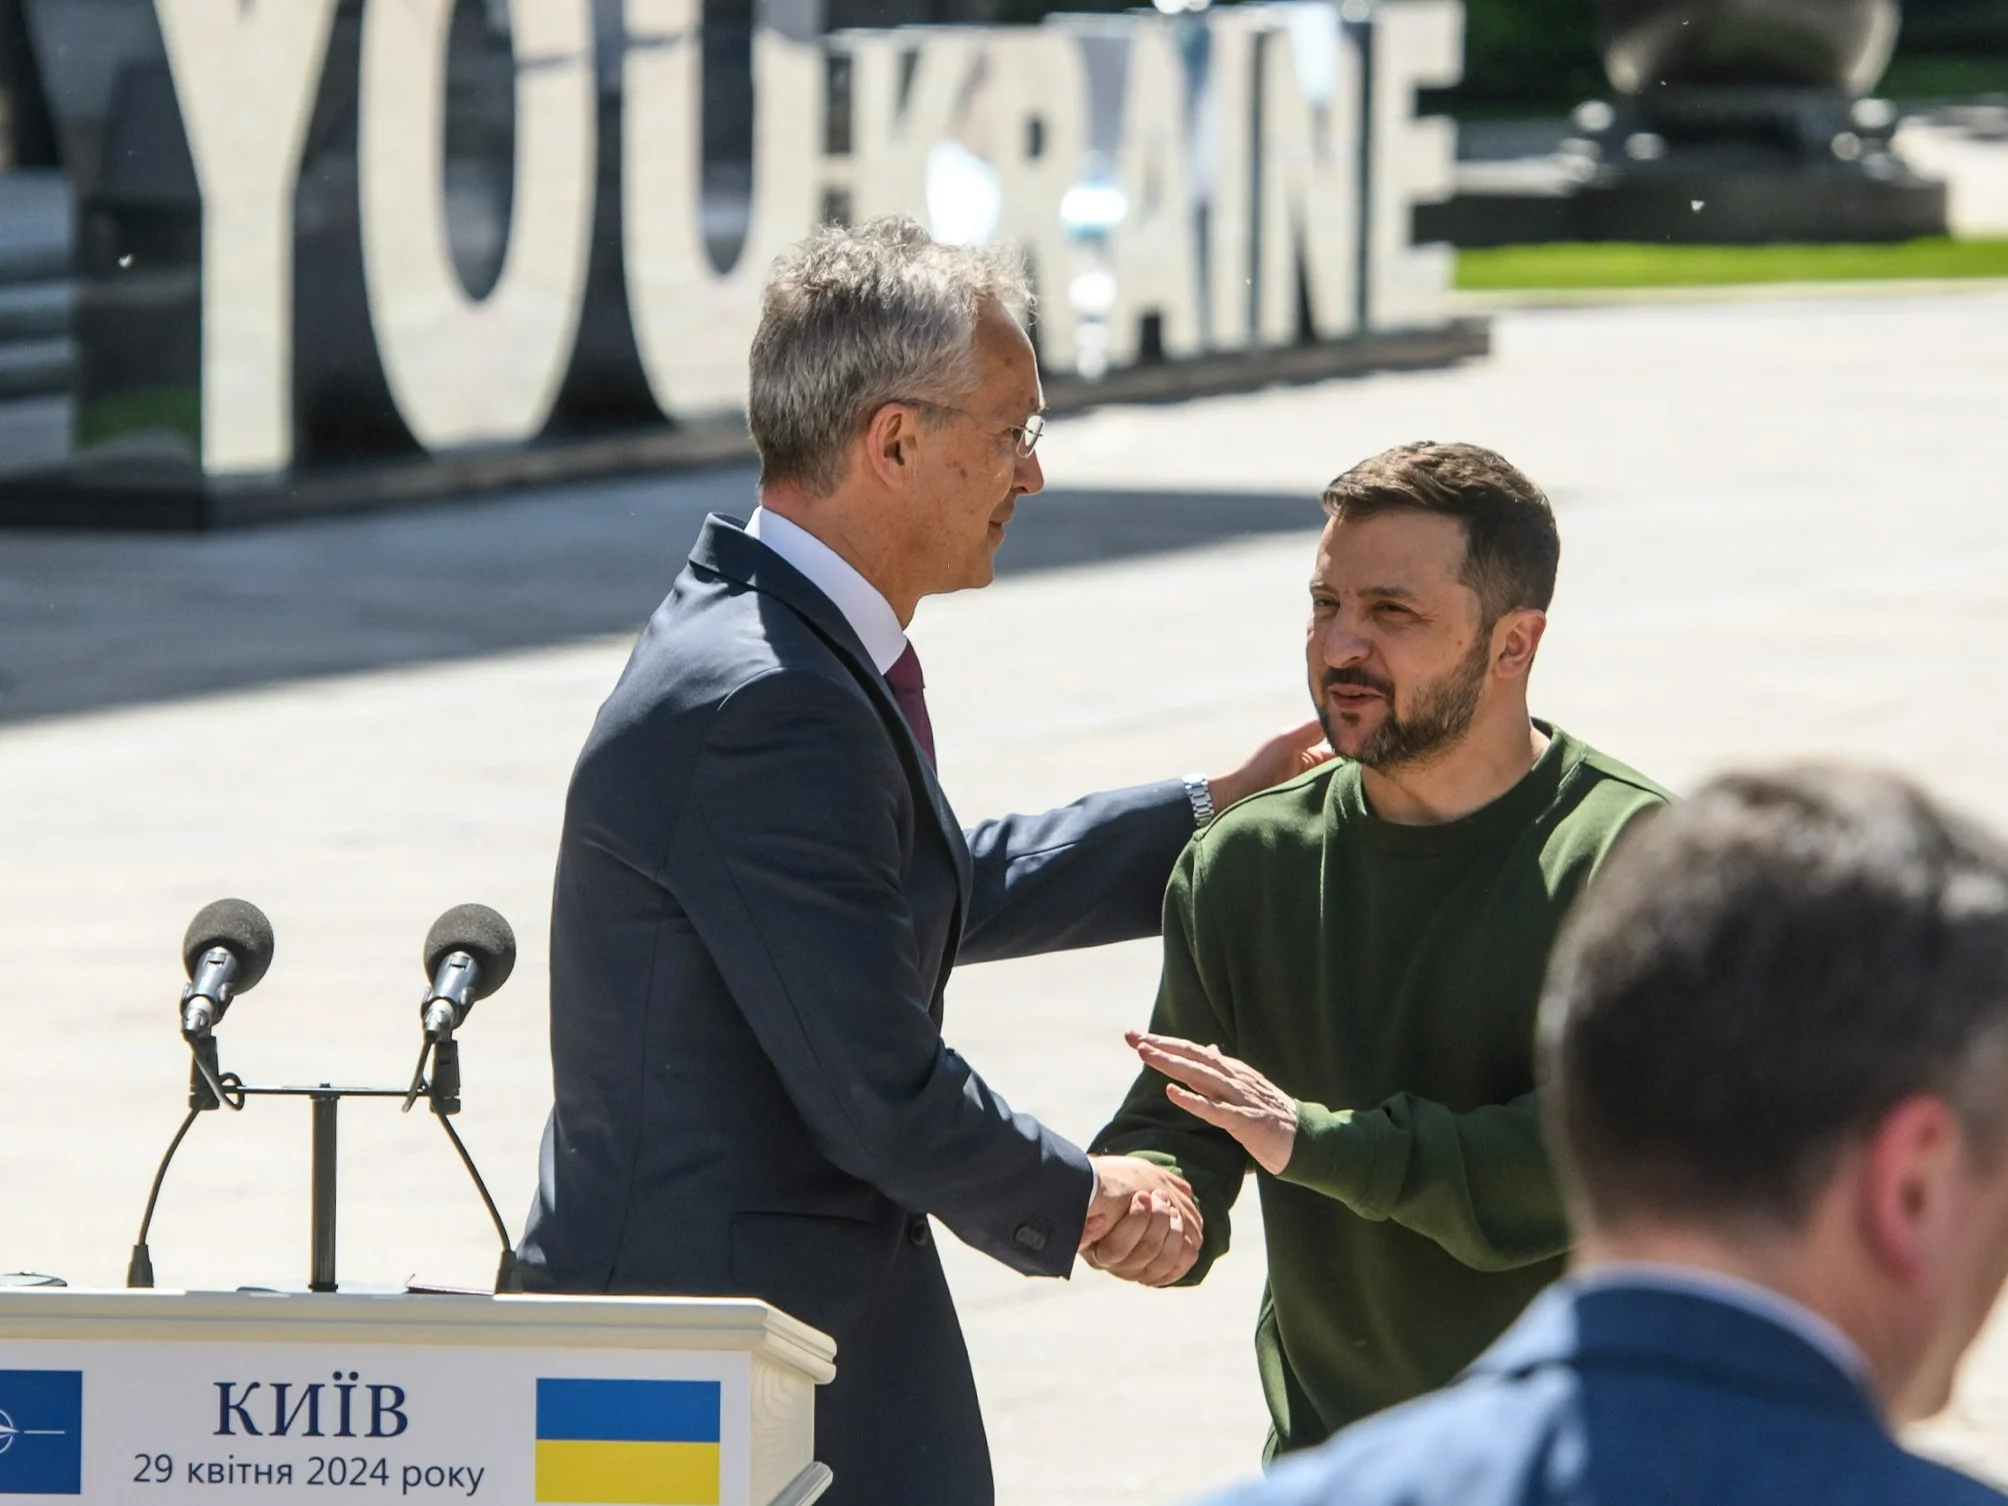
(1278, 759)
(1224, 1092)
(1144, 1225)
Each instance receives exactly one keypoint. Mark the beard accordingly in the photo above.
(1443, 711)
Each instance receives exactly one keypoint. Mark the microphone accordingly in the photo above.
(469, 953)
(226, 951)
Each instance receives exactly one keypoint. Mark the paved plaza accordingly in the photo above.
(1784, 535)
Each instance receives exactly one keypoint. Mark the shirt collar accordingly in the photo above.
(1759, 1301)
(870, 615)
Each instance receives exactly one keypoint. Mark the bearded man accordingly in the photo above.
(1353, 959)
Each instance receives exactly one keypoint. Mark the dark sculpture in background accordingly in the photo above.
(1832, 45)
(1749, 120)
(1731, 121)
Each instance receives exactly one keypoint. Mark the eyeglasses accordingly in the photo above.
(1025, 437)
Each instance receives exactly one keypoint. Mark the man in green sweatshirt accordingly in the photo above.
(1352, 960)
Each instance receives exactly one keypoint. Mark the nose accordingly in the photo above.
(1339, 643)
(1030, 476)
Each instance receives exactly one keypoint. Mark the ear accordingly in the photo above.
(1909, 1187)
(891, 444)
(1516, 637)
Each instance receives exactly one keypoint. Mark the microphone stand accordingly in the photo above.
(208, 1087)
(444, 1093)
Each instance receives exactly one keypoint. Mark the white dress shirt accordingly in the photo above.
(870, 615)
(1759, 1301)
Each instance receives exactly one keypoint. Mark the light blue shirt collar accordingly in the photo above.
(1759, 1301)
(870, 615)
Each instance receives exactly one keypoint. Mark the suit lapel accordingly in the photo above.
(724, 548)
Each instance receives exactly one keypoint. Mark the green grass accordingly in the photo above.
(177, 410)
(1630, 265)
(1941, 75)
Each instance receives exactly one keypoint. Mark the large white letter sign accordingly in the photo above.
(1039, 92)
(464, 372)
(1224, 175)
(692, 323)
(1310, 178)
(908, 94)
(1417, 43)
(246, 76)
(1154, 246)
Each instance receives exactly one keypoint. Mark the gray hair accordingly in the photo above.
(853, 319)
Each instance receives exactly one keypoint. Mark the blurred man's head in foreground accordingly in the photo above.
(1428, 602)
(1775, 1045)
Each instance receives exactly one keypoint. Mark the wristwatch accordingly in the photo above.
(1200, 793)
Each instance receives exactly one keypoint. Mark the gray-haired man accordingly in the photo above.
(761, 888)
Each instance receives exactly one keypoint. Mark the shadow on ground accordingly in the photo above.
(91, 621)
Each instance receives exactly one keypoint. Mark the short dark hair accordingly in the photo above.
(1759, 974)
(1512, 547)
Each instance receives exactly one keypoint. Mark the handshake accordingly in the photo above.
(1143, 1224)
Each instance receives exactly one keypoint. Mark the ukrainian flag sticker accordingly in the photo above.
(611, 1442)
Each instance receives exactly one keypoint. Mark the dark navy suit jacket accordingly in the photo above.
(760, 893)
(1626, 1395)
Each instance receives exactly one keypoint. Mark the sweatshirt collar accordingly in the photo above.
(1511, 813)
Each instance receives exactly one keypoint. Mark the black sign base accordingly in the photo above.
(84, 497)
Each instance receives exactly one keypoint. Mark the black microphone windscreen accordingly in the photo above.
(483, 935)
(239, 925)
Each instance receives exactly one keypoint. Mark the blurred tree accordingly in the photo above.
(1940, 26)
(1540, 57)
(1529, 53)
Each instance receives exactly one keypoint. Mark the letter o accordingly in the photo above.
(692, 324)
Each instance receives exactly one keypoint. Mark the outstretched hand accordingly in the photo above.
(1282, 757)
(1210, 1085)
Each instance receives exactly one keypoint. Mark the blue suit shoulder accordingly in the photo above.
(714, 647)
(710, 637)
(1628, 1399)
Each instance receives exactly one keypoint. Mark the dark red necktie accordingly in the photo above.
(909, 689)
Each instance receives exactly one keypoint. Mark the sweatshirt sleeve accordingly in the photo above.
(1192, 1005)
(1479, 1183)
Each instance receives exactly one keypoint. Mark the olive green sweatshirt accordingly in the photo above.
(1386, 977)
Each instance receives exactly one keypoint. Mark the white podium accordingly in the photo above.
(139, 1396)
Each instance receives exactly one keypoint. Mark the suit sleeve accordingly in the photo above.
(787, 857)
(1196, 1005)
(1479, 1182)
(1087, 874)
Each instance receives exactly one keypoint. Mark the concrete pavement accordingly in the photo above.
(1783, 536)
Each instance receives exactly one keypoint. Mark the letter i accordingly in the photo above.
(347, 1391)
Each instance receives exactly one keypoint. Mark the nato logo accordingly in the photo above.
(41, 1432)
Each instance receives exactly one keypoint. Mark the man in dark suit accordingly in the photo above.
(761, 888)
(1775, 1044)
